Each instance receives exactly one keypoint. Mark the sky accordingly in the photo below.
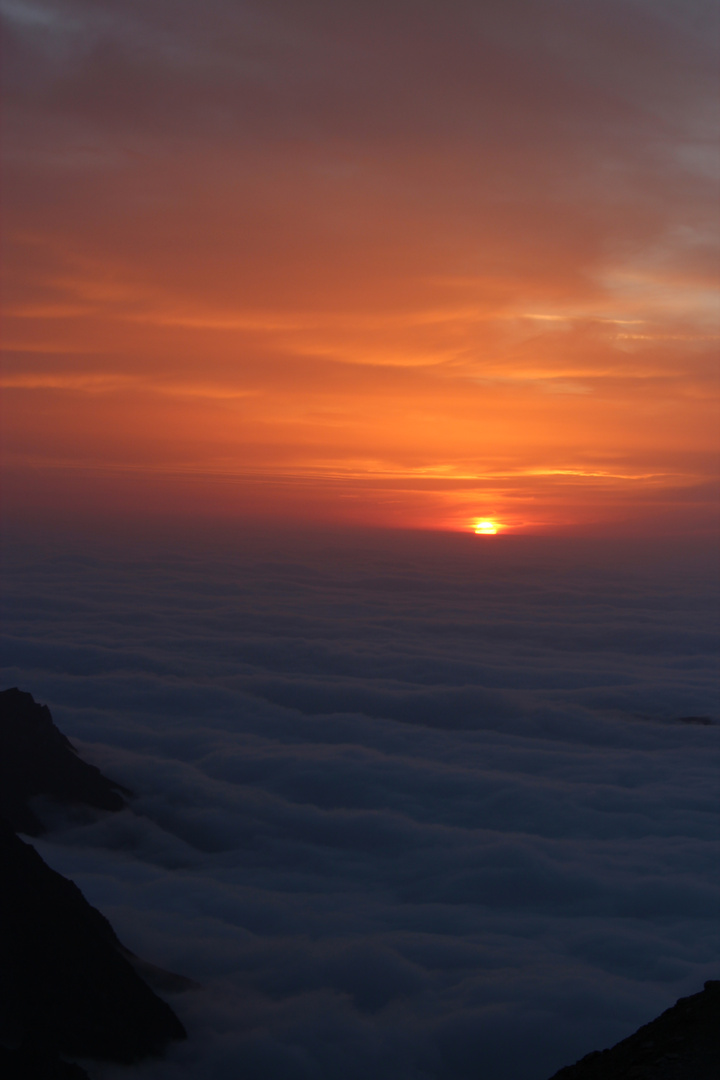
(406, 264)
(426, 811)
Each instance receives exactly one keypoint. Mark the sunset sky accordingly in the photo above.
(299, 296)
(405, 263)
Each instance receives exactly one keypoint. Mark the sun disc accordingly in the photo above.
(485, 528)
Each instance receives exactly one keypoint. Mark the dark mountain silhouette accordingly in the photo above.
(37, 759)
(681, 1044)
(67, 985)
(32, 1063)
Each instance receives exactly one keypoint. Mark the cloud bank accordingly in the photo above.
(409, 809)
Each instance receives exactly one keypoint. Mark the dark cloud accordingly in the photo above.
(410, 810)
(355, 69)
(260, 116)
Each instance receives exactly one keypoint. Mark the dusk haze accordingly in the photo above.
(360, 516)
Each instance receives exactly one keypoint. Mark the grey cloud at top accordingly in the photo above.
(507, 71)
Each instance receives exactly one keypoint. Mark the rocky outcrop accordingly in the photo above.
(33, 1063)
(67, 985)
(37, 759)
(681, 1044)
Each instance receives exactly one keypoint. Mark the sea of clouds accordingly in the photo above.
(408, 807)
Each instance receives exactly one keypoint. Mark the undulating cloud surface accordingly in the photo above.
(405, 263)
(408, 806)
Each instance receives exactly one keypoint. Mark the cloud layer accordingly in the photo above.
(410, 807)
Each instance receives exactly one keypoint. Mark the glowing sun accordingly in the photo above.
(485, 528)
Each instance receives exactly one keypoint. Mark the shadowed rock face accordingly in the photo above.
(31, 1063)
(681, 1044)
(67, 985)
(37, 759)
(64, 981)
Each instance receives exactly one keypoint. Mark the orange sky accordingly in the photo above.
(405, 263)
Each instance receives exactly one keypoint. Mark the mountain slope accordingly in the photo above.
(37, 759)
(681, 1044)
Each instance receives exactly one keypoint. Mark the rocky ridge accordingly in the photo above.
(683, 1043)
(37, 759)
(67, 985)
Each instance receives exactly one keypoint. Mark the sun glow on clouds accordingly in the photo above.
(285, 265)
